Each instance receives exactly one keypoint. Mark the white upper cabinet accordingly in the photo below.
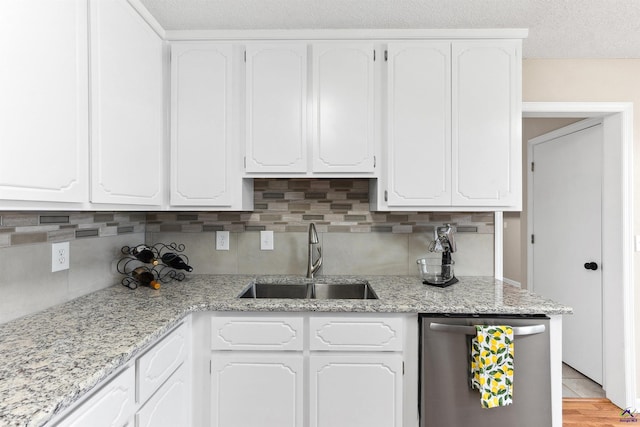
(453, 126)
(206, 167)
(418, 117)
(310, 114)
(487, 115)
(276, 108)
(343, 107)
(44, 99)
(127, 106)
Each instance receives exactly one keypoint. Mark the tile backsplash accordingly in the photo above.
(354, 240)
(21, 228)
(334, 205)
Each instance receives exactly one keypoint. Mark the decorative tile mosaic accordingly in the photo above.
(281, 205)
(22, 228)
(334, 205)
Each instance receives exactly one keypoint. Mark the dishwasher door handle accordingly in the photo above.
(471, 330)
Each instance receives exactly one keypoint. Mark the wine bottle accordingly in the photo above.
(144, 254)
(145, 277)
(175, 261)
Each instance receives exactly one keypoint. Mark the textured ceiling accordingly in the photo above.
(557, 28)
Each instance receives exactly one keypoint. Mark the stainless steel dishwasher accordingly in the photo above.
(446, 399)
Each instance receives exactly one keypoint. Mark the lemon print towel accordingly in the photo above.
(492, 365)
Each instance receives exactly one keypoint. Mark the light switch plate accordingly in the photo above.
(266, 240)
(59, 256)
(222, 240)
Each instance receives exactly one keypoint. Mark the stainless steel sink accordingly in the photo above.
(343, 291)
(276, 290)
(360, 290)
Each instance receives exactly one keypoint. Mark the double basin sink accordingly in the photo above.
(360, 290)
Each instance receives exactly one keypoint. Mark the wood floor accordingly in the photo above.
(582, 412)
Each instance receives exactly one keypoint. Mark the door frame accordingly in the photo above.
(619, 371)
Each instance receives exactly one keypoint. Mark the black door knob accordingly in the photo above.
(591, 265)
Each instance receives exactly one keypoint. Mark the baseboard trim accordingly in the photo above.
(511, 282)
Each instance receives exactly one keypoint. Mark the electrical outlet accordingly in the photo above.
(59, 256)
(266, 240)
(222, 240)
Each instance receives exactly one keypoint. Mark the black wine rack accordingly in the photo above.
(161, 271)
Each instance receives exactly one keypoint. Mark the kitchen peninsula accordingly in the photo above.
(51, 359)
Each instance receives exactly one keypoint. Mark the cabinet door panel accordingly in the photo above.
(126, 109)
(355, 391)
(111, 406)
(355, 333)
(486, 149)
(170, 406)
(155, 366)
(260, 389)
(201, 120)
(343, 101)
(44, 133)
(276, 108)
(419, 124)
(256, 333)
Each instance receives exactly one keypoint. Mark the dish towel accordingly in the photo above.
(492, 365)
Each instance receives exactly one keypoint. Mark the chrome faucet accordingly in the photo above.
(312, 267)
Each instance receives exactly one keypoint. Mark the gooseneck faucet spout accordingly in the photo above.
(313, 267)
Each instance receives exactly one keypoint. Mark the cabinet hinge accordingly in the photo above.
(386, 196)
(533, 240)
(532, 166)
(386, 55)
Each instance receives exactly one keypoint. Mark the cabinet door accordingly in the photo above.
(156, 365)
(355, 390)
(111, 406)
(419, 124)
(276, 108)
(343, 107)
(126, 106)
(43, 107)
(486, 149)
(202, 139)
(257, 390)
(170, 406)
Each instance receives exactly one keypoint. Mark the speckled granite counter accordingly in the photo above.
(49, 359)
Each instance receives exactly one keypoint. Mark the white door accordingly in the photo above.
(343, 102)
(363, 390)
(486, 119)
(419, 124)
(567, 222)
(126, 106)
(201, 117)
(44, 92)
(170, 405)
(276, 108)
(256, 389)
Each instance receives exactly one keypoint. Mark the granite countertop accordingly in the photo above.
(51, 358)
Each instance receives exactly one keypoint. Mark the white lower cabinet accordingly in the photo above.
(112, 405)
(363, 390)
(153, 391)
(312, 370)
(170, 406)
(257, 389)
